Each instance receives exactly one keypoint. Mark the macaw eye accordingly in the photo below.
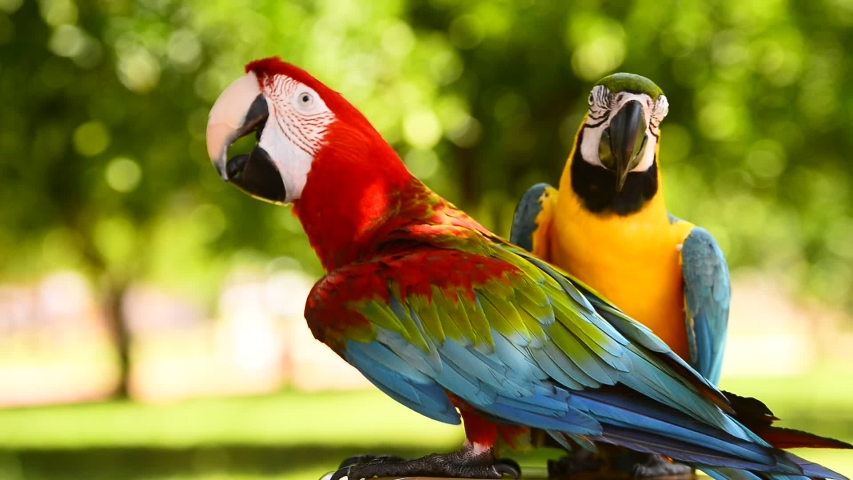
(600, 98)
(305, 100)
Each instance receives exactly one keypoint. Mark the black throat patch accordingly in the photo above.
(596, 186)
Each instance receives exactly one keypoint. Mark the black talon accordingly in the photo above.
(354, 460)
(506, 466)
(343, 472)
(510, 463)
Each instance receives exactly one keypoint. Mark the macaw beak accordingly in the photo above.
(240, 110)
(623, 142)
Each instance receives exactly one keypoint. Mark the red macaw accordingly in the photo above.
(454, 322)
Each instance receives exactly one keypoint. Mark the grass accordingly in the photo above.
(827, 390)
(301, 436)
(363, 418)
(286, 436)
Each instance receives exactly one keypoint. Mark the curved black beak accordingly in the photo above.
(255, 173)
(623, 142)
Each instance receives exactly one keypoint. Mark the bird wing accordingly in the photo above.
(532, 219)
(525, 344)
(707, 293)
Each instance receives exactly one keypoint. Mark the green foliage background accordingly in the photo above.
(103, 107)
(103, 169)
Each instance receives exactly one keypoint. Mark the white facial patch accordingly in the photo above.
(295, 130)
(603, 106)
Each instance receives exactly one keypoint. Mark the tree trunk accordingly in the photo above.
(116, 322)
(468, 185)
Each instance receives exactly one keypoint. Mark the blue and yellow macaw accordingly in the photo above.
(608, 225)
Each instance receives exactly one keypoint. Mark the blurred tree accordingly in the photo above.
(101, 121)
(104, 105)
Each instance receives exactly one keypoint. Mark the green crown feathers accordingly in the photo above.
(628, 82)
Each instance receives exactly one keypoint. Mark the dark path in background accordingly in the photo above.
(144, 462)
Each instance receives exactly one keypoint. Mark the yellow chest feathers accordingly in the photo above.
(633, 261)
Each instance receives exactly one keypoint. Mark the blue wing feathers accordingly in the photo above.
(574, 423)
(811, 469)
(380, 354)
(730, 474)
(524, 218)
(426, 362)
(662, 444)
(486, 370)
(677, 427)
(559, 373)
(545, 403)
(517, 359)
(404, 384)
(707, 294)
(642, 335)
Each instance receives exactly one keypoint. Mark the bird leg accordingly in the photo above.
(472, 461)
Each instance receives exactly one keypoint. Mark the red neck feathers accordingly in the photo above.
(357, 184)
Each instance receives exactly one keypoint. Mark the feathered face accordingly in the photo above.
(288, 111)
(622, 127)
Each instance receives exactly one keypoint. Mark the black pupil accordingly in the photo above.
(305, 98)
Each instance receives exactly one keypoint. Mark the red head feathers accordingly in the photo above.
(269, 70)
(315, 150)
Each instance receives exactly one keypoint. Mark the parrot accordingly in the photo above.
(609, 227)
(454, 322)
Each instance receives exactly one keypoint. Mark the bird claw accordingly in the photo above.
(508, 466)
(659, 466)
(461, 464)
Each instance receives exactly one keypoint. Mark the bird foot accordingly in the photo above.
(577, 462)
(465, 463)
(659, 466)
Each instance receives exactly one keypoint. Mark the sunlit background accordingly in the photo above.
(151, 316)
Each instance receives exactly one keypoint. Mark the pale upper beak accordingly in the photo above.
(229, 119)
(239, 111)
